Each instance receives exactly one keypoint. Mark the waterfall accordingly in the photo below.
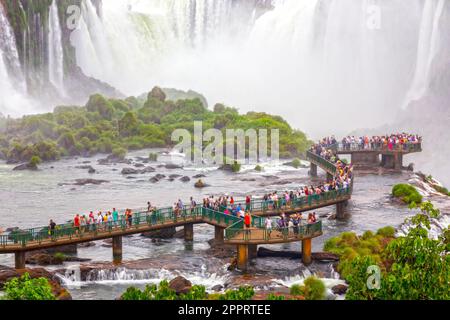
(12, 84)
(428, 46)
(55, 50)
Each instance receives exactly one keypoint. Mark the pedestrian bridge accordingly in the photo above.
(228, 229)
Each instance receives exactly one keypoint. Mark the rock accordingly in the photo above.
(217, 288)
(200, 184)
(82, 182)
(154, 180)
(166, 233)
(86, 244)
(185, 179)
(175, 176)
(60, 293)
(198, 176)
(85, 167)
(410, 167)
(339, 289)
(25, 166)
(67, 249)
(139, 165)
(43, 259)
(126, 171)
(91, 170)
(179, 234)
(147, 170)
(158, 94)
(180, 285)
(271, 177)
(317, 256)
(172, 166)
(160, 176)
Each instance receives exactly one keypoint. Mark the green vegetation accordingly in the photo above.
(258, 168)
(407, 193)
(312, 289)
(34, 161)
(25, 288)
(153, 157)
(196, 292)
(272, 296)
(117, 126)
(412, 267)
(296, 163)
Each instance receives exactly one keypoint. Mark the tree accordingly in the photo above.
(128, 125)
(25, 288)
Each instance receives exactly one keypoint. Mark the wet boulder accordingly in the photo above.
(127, 171)
(185, 179)
(180, 285)
(172, 166)
(200, 184)
(25, 166)
(339, 289)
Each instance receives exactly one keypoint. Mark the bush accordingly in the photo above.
(119, 153)
(314, 289)
(258, 168)
(236, 167)
(297, 290)
(153, 157)
(388, 232)
(34, 161)
(272, 296)
(407, 193)
(296, 163)
(243, 293)
(25, 288)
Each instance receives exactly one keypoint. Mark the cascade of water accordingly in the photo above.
(428, 45)
(12, 84)
(55, 50)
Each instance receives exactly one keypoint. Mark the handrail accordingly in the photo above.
(378, 146)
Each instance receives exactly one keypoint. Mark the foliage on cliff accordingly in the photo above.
(412, 267)
(407, 193)
(26, 288)
(104, 125)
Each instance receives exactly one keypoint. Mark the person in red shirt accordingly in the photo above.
(76, 223)
(247, 220)
(247, 203)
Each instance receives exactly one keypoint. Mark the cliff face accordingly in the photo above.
(30, 21)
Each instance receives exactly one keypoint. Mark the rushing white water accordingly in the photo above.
(55, 50)
(12, 84)
(303, 57)
(429, 41)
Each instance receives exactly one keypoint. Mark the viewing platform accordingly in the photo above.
(391, 158)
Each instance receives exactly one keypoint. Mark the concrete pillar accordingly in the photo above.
(340, 214)
(218, 234)
(252, 251)
(306, 251)
(398, 161)
(19, 258)
(242, 257)
(189, 232)
(117, 249)
(313, 170)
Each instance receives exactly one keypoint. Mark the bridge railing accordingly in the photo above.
(323, 163)
(139, 219)
(405, 147)
(262, 234)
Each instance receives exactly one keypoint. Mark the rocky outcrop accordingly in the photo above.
(158, 94)
(126, 171)
(339, 289)
(180, 285)
(172, 166)
(60, 293)
(185, 179)
(25, 166)
(83, 182)
(167, 233)
(200, 184)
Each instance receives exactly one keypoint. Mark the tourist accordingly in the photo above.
(193, 205)
(130, 218)
(268, 225)
(51, 228)
(248, 202)
(76, 223)
(116, 216)
(247, 220)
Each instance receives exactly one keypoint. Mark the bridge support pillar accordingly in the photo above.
(218, 235)
(313, 170)
(340, 214)
(189, 232)
(392, 161)
(19, 259)
(117, 249)
(306, 251)
(242, 257)
(252, 251)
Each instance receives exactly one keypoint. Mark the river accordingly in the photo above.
(30, 199)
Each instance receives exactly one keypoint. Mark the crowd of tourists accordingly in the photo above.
(398, 141)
